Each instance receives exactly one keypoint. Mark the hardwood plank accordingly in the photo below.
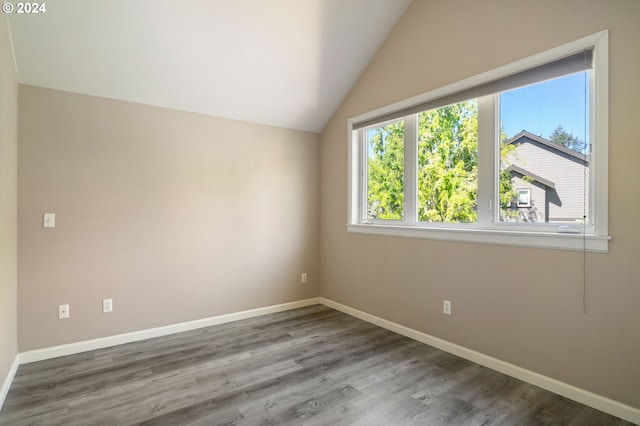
(309, 366)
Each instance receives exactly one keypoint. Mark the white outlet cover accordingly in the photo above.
(49, 220)
(107, 305)
(63, 311)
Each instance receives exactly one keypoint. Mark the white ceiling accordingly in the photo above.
(286, 63)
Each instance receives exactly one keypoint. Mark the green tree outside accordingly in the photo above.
(566, 139)
(447, 167)
(448, 164)
(385, 198)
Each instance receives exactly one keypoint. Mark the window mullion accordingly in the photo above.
(411, 169)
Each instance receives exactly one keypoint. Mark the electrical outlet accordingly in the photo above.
(63, 311)
(49, 220)
(303, 277)
(107, 305)
(446, 307)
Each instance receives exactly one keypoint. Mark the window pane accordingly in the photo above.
(544, 150)
(524, 197)
(385, 168)
(448, 164)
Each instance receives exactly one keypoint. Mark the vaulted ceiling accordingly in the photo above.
(286, 63)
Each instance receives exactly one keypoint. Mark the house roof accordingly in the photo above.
(546, 142)
(525, 172)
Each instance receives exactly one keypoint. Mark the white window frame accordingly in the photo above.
(488, 229)
(525, 191)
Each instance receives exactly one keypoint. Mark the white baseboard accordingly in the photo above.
(7, 380)
(582, 396)
(119, 339)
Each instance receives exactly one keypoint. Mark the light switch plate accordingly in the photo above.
(49, 220)
(446, 307)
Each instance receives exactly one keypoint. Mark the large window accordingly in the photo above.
(517, 156)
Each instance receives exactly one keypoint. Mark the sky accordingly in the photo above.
(542, 107)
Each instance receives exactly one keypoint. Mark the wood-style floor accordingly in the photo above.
(310, 366)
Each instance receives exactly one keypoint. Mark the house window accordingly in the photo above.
(449, 164)
(523, 197)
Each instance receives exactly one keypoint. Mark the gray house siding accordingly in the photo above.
(566, 171)
(538, 210)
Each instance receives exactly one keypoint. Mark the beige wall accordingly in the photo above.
(8, 202)
(176, 216)
(520, 305)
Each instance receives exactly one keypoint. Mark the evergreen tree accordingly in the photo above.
(566, 139)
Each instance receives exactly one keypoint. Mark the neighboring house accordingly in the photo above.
(549, 180)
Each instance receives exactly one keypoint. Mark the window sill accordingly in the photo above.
(548, 240)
